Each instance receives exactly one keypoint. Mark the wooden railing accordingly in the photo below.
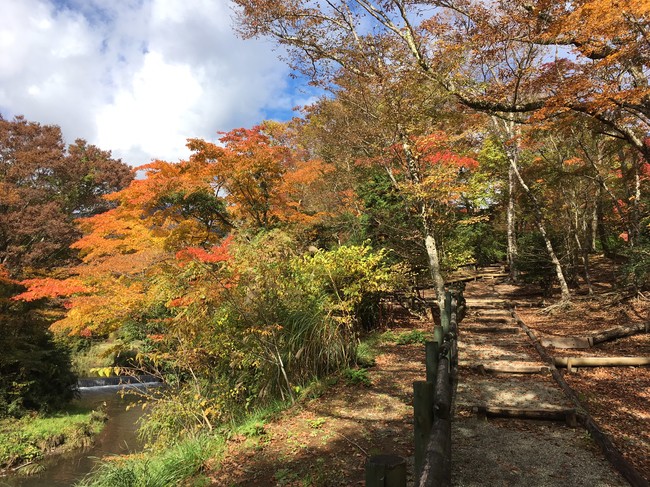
(432, 401)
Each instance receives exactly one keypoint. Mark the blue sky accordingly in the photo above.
(139, 77)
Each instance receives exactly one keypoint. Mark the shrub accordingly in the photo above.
(357, 377)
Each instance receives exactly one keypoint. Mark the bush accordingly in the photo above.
(258, 326)
(410, 337)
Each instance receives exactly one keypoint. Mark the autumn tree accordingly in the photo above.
(248, 184)
(512, 61)
(263, 180)
(199, 262)
(45, 187)
(375, 47)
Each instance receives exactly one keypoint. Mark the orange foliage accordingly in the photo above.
(264, 182)
(50, 288)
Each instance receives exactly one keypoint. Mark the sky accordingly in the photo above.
(139, 77)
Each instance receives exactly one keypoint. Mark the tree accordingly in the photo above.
(248, 184)
(264, 182)
(45, 187)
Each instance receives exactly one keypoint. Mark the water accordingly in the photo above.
(117, 437)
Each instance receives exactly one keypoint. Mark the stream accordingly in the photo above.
(117, 437)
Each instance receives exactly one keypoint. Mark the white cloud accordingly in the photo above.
(137, 77)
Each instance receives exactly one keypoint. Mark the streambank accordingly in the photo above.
(117, 437)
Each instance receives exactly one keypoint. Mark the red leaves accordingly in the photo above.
(218, 253)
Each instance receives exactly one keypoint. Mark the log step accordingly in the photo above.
(570, 362)
(485, 304)
(492, 329)
(511, 368)
(566, 342)
(567, 415)
(494, 319)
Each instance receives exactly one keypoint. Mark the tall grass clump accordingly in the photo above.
(168, 468)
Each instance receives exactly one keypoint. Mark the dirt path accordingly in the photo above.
(507, 452)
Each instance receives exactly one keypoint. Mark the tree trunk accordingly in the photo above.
(619, 332)
(434, 266)
(600, 225)
(593, 235)
(508, 132)
(512, 240)
(430, 243)
(541, 226)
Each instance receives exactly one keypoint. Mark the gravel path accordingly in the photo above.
(510, 452)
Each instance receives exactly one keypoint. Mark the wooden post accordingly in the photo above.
(446, 316)
(438, 335)
(386, 471)
(422, 419)
(431, 349)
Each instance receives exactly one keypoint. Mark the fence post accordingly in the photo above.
(422, 420)
(386, 471)
(431, 348)
(446, 315)
(438, 335)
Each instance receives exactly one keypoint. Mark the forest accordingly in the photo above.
(450, 133)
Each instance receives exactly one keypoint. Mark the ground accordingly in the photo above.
(618, 398)
(324, 441)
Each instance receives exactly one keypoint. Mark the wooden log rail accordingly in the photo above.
(433, 443)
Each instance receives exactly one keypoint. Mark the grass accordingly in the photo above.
(31, 437)
(182, 463)
(173, 466)
(407, 337)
